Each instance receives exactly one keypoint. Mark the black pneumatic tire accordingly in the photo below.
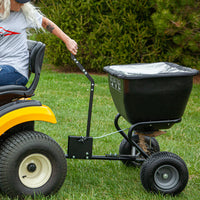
(31, 163)
(165, 173)
(126, 149)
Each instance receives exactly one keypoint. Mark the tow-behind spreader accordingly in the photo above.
(150, 97)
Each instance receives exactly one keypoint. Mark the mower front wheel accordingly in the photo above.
(31, 163)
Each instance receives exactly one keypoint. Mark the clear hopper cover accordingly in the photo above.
(145, 70)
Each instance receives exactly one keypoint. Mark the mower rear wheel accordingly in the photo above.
(126, 148)
(31, 163)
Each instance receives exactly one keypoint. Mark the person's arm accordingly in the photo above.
(53, 28)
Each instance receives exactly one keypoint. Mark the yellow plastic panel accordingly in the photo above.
(21, 115)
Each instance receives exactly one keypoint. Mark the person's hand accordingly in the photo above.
(72, 46)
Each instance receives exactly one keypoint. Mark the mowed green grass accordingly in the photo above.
(68, 96)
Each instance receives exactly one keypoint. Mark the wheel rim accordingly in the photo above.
(35, 170)
(166, 177)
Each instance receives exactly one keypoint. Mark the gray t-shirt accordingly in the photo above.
(13, 41)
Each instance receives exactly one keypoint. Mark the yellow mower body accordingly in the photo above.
(26, 114)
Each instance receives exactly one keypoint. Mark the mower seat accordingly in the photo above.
(9, 93)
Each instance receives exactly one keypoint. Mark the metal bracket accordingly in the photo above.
(80, 147)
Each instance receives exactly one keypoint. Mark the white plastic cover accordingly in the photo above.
(145, 70)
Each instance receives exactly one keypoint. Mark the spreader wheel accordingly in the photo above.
(165, 173)
(31, 163)
(125, 148)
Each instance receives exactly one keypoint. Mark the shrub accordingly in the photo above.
(177, 24)
(123, 31)
(108, 32)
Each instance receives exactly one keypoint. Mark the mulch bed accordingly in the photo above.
(196, 79)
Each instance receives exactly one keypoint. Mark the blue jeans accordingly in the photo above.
(10, 76)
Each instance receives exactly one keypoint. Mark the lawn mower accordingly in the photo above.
(32, 163)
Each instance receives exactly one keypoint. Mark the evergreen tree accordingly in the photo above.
(125, 31)
(178, 26)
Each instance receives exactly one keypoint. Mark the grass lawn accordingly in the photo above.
(67, 95)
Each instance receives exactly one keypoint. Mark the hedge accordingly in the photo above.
(124, 31)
